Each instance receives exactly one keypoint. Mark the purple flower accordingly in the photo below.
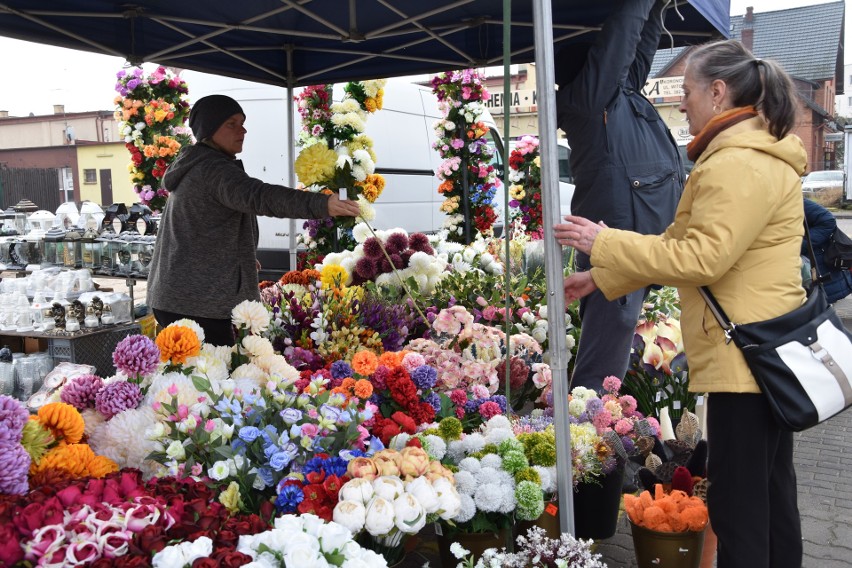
(13, 416)
(132, 84)
(424, 377)
(14, 468)
(500, 400)
(115, 398)
(593, 406)
(136, 355)
(380, 377)
(340, 370)
(81, 392)
(434, 400)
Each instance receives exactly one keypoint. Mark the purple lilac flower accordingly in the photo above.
(500, 400)
(136, 355)
(340, 370)
(424, 377)
(13, 416)
(81, 392)
(115, 398)
(14, 468)
(434, 400)
(593, 406)
(471, 406)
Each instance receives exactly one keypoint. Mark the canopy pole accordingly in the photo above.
(545, 78)
(291, 153)
(507, 233)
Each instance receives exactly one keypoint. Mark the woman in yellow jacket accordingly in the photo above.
(738, 229)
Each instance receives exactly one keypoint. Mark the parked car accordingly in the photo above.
(821, 180)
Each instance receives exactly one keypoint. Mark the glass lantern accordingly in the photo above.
(121, 249)
(54, 247)
(72, 257)
(107, 266)
(144, 254)
(91, 250)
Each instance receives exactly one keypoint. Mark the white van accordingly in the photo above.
(402, 132)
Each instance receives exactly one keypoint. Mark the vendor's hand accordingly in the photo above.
(257, 263)
(578, 232)
(577, 286)
(338, 208)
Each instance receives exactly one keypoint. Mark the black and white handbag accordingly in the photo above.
(801, 360)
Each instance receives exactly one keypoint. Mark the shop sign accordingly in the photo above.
(524, 98)
(663, 87)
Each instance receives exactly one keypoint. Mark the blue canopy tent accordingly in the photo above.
(293, 43)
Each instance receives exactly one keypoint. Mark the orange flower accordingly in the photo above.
(363, 389)
(390, 359)
(674, 512)
(63, 421)
(348, 384)
(100, 466)
(71, 458)
(177, 343)
(365, 362)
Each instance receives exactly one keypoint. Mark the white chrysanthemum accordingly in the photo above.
(277, 365)
(505, 478)
(221, 352)
(249, 371)
(508, 502)
(455, 451)
(246, 385)
(470, 464)
(576, 407)
(468, 509)
(465, 482)
(251, 315)
(488, 473)
(257, 346)
(437, 447)
(159, 390)
(191, 324)
(387, 280)
(488, 497)
(361, 232)
(498, 422)
(492, 461)
(473, 443)
(497, 435)
(583, 393)
(359, 173)
(366, 209)
(548, 481)
(451, 247)
(420, 262)
(92, 419)
(121, 440)
(210, 366)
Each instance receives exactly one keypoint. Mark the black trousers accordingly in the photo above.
(216, 331)
(752, 494)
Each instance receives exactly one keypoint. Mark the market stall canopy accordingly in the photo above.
(302, 42)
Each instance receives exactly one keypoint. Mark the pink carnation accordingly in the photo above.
(602, 420)
(628, 404)
(489, 409)
(611, 384)
(623, 426)
(458, 397)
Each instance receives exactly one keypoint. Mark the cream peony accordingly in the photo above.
(250, 315)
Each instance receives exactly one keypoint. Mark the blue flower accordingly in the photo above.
(434, 400)
(313, 465)
(249, 434)
(340, 370)
(291, 415)
(335, 466)
(266, 475)
(424, 377)
(280, 460)
(500, 400)
(330, 412)
(288, 500)
(594, 405)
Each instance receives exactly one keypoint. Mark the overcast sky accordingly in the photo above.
(36, 77)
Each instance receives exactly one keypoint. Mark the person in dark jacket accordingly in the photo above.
(821, 225)
(205, 263)
(628, 172)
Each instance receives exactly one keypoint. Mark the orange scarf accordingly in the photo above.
(716, 125)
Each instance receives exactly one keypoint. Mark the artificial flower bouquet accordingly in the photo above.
(119, 521)
(535, 550)
(394, 494)
(674, 511)
(525, 191)
(304, 540)
(44, 449)
(658, 375)
(494, 480)
(679, 462)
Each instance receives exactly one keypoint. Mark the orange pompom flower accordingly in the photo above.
(391, 359)
(178, 343)
(365, 363)
(63, 420)
(363, 389)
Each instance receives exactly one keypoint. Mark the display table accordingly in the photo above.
(90, 347)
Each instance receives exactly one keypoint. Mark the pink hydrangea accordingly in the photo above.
(611, 384)
(623, 427)
(628, 405)
(602, 420)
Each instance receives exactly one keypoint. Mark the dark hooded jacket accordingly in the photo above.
(204, 262)
(628, 172)
(821, 225)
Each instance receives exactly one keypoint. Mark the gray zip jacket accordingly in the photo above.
(204, 260)
(628, 172)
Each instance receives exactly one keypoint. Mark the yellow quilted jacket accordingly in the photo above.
(738, 229)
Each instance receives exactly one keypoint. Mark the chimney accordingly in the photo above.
(748, 29)
(58, 109)
(4, 114)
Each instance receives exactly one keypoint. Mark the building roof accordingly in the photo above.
(806, 41)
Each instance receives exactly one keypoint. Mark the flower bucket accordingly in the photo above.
(549, 521)
(475, 543)
(667, 550)
(596, 506)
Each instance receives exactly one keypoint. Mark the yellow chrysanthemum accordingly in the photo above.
(63, 420)
(370, 104)
(333, 276)
(370, 192)
(178, 343)
(100, 466)
(517, 192)
(71, 458)
(315, 164)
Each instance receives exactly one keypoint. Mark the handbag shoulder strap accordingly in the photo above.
(716, 309)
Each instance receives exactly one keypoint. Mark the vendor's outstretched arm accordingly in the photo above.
(647, 48)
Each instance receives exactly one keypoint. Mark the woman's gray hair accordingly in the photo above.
(751, 81)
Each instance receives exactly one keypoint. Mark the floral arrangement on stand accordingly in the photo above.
(466, 154)
(151, 111)
(44, 449)
(315, 323)
(658, 375)
(525, 191)
(535, 550)
(304, 540)
(337, 155)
